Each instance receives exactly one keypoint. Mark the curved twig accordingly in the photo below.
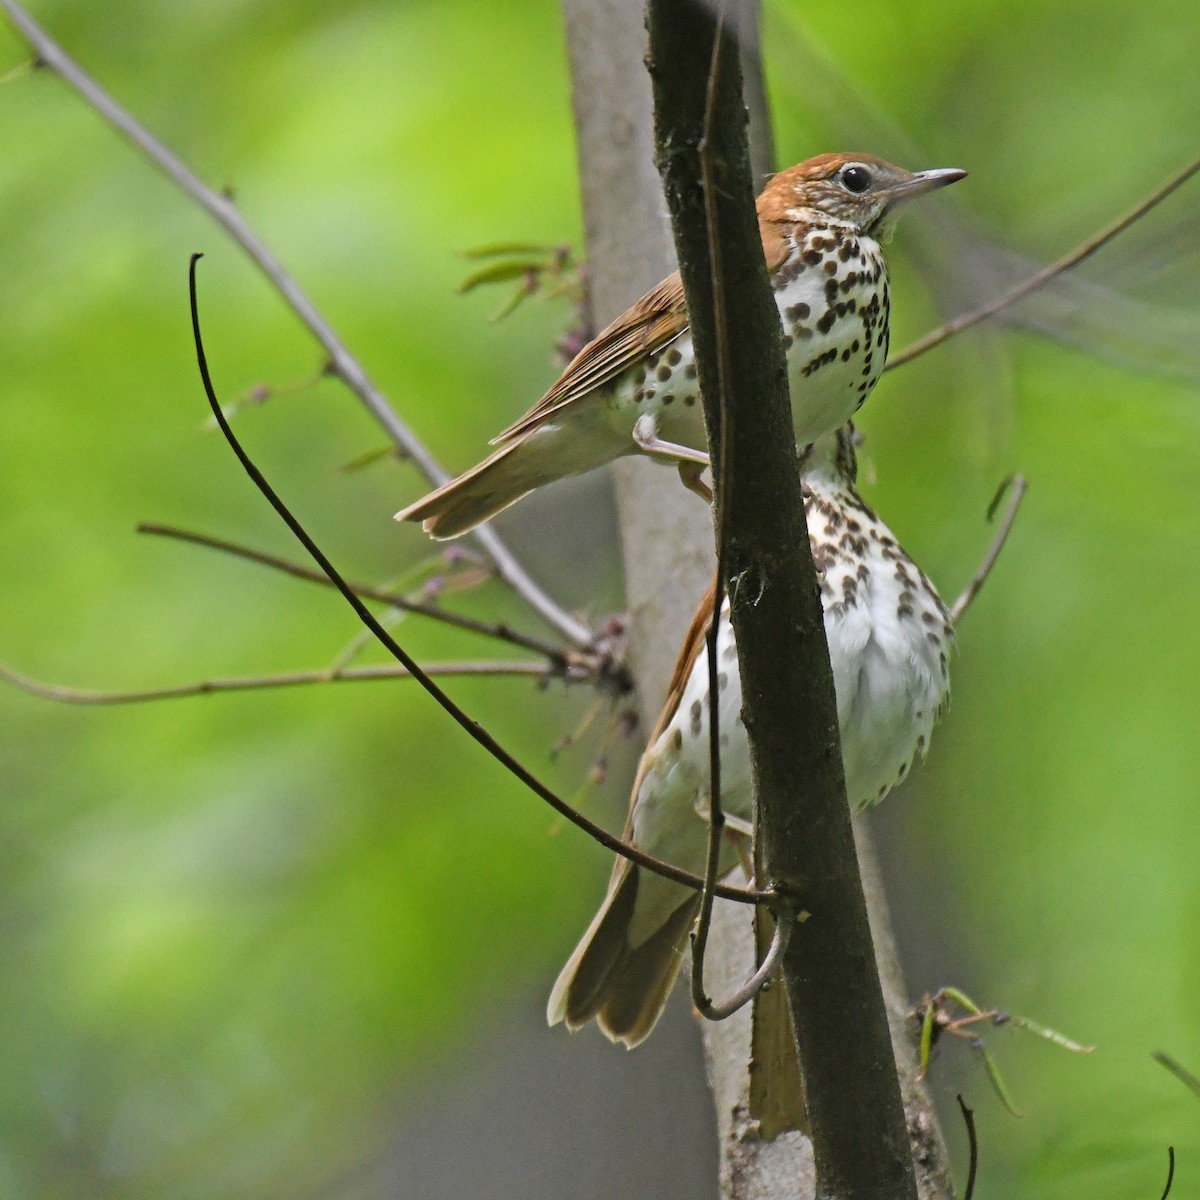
(1170, 1172)
(501, 632)
(785, 924)
(721, 484)
(1177, 1069)
(968, 1115)
(472, 728)
(205, 687)
(341, 362)
(1018, 486)
(1027, 287)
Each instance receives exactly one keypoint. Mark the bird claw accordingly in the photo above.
(690, 463)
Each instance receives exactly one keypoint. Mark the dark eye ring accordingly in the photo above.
(856, 179)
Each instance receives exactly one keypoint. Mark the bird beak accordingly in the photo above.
(924, 181)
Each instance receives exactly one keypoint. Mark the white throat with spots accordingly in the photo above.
(832, 296)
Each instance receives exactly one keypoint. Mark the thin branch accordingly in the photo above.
(1170, 1172)
(785, 925)
(839, 1022)
(472, 728)
(968, 1115)
(499, 631)
(341, 362)
(783, 914)
(716, 813)
(1039, 279)
(1178, 1070)
(72, 695)
(1018, 486)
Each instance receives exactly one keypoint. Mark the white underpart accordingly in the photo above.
(665, 388)
(891, 683)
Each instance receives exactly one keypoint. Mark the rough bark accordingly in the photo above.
(852, 1093)
(667, 541)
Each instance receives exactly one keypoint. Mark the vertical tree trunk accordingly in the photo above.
(667, 544)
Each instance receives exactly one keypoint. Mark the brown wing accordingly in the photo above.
(654, 320)
(657, 318)
(693, 646)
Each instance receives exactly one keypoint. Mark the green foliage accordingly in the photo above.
(236, 925)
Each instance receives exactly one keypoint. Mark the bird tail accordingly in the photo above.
(552, 450)
(478, 495)
(624, 988)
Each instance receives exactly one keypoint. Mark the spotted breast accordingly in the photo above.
(890, 639)
(633, 389)
(831, 289)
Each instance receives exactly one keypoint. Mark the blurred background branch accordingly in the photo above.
(221, 207)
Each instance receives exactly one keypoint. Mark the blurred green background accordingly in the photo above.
(297, 943)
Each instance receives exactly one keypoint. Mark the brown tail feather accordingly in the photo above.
(624, 989)
(639, 988)
(474, 497)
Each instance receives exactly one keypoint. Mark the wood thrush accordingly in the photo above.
(889, 643)
(633, 387)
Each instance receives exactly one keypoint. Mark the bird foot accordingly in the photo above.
(690, 463)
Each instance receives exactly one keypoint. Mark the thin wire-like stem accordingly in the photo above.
(472, 728)
(1017, 486)
(499, 631)
(1039, 279)
(785, 924)
(341, 362)
(716, 814)
(968, 1115)
(205, 687)
(1178, 1070)
(1170, 1172)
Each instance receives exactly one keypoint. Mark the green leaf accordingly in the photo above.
(499, 272)
(1050, 1035)
(998, 1085)
(495, 249)
(511, 304)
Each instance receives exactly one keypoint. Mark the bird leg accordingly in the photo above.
(690, 463)
(690, 473)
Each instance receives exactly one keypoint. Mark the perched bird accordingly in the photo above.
(633, 387)
(889, 642)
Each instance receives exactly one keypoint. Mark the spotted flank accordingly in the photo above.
(890, 640)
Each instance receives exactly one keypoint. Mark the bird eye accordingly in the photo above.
(856, 179)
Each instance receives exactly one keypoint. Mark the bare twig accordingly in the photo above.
(1018, 487)
(260, 393)
(839, 1021)
(498, 631)
(472, 728)
(968, 1115)
(341, 362)
(1178, 1070)
(784, 916)
(785, 925)
(1170, 1172)
(716, 813)
(72, 695)
(65, 695)
(1039, 279)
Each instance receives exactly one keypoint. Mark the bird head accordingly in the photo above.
(859, 189)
